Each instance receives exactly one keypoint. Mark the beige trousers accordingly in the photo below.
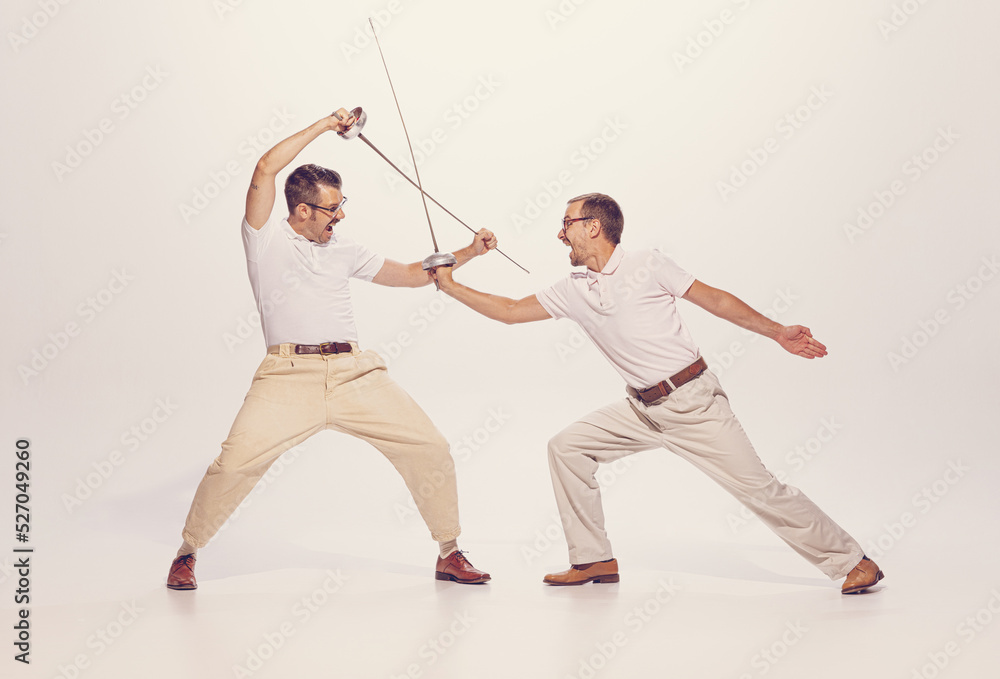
(696, 423)
(294, 396)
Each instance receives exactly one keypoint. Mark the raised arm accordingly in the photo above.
(796, 339)
(498, 308)
(262, 191)
(398, 275)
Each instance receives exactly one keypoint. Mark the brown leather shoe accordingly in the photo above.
(864, 575)
(182, 573)
(578, 574)
(456, 567)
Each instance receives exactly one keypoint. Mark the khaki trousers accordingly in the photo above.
(696, 423)
(294, 396)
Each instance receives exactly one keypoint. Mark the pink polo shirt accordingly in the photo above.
(629, 310)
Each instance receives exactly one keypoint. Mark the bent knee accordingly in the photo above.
(438, 451)
(560, 444)
(233, 464)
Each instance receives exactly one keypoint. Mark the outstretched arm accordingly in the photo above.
(398, 275)
(260, 195)
(498, 308)
(796, 339)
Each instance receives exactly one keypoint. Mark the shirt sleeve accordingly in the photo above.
(554, 299)
(366, 263)
(669, 275)
(254, 239)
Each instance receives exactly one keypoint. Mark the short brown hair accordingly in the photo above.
(604, 209)
(302, 185)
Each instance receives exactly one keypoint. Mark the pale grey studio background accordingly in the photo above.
(768, 147)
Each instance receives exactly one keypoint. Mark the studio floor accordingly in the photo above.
(713, 610)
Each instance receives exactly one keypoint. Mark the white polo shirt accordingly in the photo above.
(629, 310)
(302, 288)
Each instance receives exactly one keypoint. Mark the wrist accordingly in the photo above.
(447, 285)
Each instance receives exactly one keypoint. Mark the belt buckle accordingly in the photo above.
(323, 347)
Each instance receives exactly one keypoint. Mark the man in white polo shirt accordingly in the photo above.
(626, 303)
(314, 375)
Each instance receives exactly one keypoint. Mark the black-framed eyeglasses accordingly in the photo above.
(332, 210)
(567, 221)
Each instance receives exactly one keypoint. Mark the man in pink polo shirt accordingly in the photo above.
(626, 302)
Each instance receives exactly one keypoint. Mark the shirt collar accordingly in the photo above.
(292, 235)
(610, 267)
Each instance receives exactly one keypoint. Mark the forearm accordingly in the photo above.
(284, 152)
(494, 307)
(731, 308)
(464, 255)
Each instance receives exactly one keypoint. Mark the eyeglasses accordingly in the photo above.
(567, 221)
(332, 210)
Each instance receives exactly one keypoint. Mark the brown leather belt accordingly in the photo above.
(664, 388)
(323, 349)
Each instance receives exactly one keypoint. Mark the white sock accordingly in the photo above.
(448, 547)
(187, 549)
